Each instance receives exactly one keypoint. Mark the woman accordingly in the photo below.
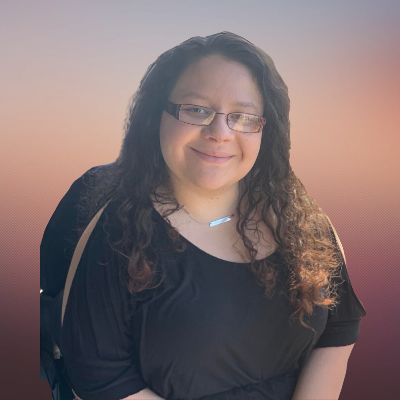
(211, 273)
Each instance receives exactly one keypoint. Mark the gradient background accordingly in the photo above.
(68, 70)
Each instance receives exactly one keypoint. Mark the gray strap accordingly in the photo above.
(337, 239)
(76, 258)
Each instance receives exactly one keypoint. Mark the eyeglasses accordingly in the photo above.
(202, 116)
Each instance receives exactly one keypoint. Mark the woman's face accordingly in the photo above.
(219, 84)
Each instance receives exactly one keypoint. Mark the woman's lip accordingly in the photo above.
(206, 157)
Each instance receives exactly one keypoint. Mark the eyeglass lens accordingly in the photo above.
(196, 115)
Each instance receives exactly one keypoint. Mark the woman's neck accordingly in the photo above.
(205, 206)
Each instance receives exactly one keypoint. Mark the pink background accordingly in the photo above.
(68, 70)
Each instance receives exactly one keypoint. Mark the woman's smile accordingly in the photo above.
(211, 159)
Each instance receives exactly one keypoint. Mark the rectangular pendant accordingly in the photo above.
(220, 221)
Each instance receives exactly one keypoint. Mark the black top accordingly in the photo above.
(206, 332)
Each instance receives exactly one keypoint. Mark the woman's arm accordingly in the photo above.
(323, 374)
(145, 394)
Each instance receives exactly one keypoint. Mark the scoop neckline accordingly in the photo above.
(199, 250)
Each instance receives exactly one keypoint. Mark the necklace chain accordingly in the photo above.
(211, 223)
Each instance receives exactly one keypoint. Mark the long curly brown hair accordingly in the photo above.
(299, 226)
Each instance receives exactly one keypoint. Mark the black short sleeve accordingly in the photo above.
(55, 248)
(97, 344)
(101, 359)
(343, 324)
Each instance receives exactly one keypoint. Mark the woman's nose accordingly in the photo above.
(218, 129)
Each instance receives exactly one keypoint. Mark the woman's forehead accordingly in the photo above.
(218, 80)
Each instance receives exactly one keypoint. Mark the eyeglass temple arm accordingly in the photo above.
(172, 109)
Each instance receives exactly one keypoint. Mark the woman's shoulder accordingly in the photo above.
(60, 234)
(67, 208)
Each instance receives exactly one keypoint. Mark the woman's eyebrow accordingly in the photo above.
(245, 104)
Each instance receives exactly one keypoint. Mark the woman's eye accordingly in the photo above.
(197, 110)
(238, 116)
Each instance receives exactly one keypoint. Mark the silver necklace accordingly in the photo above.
(211, 223)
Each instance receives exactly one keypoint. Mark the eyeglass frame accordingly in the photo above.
(173, 109)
